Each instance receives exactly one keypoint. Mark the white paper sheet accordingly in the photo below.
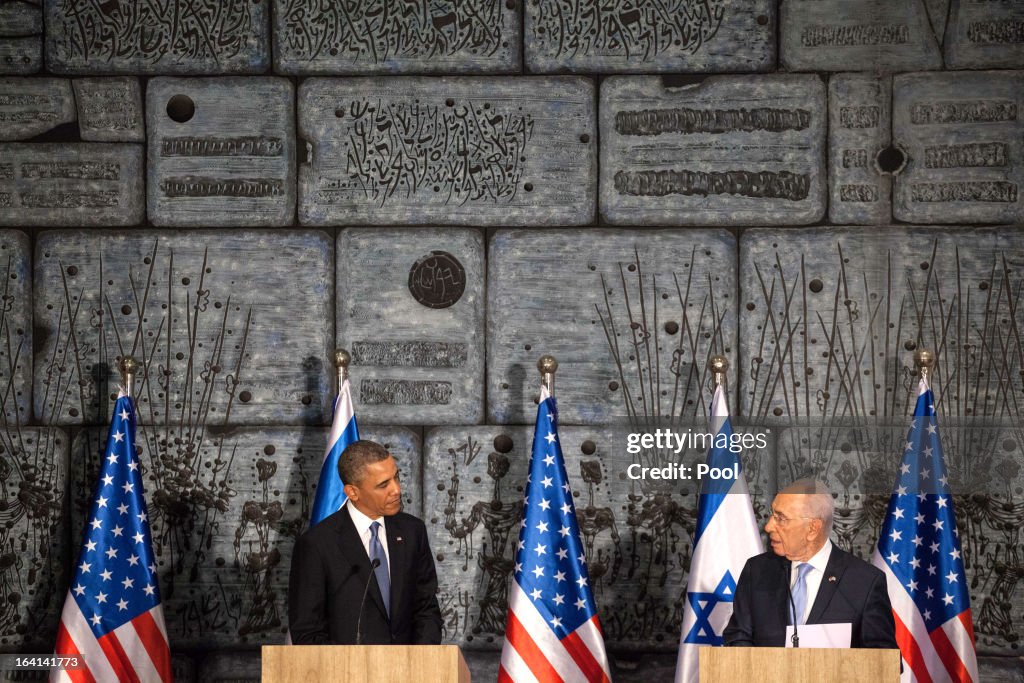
(821, 635)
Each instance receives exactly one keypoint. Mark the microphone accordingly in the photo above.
(789, 592)
(359, 623)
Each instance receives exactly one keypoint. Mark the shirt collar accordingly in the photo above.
(361, 521)
(819, 560)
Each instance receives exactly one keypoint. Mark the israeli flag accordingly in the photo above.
(726, 537)
(330, 494)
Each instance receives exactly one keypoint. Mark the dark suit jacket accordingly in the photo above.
(329, 573)
(760, 609)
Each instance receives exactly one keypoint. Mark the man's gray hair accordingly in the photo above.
(356, 456)
(817, 500)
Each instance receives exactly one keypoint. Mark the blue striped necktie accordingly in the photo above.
(383, 575)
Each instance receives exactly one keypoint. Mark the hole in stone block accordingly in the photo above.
(181, 108)
(892, 160)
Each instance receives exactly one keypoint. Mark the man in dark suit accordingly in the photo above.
(828, 585)
(336, 561)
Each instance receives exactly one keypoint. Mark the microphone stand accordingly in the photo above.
(362, 604)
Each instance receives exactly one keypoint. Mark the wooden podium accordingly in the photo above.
(797, 665)
(364, 663)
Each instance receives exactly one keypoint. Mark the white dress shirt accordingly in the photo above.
(813, 579)
(363, 523)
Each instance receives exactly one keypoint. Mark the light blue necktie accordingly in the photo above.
(800, 593)
(383, 576)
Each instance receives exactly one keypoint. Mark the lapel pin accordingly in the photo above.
(832, 579)
(398, 539)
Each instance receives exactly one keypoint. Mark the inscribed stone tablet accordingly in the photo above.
(174, 37)
(83, 184)
(856, 35)
(460, 151)
(831, 317)
(110, 109)
(221, 152)
(33, 480)
(451, 36)
(729, 151)
(30, 106)
(648, 36)
(985, 35)
(637, 533)
(860, 121)
(411, 312)
(964, 135)
(21, 38)
(222, 331)
(631, 316)
(16, 327)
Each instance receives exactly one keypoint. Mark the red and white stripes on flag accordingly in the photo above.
(134, 651)
(537, 654)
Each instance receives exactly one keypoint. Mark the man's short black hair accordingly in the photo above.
(356, 456)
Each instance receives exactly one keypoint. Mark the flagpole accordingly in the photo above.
(547, 366)
(342, 359)
(129, 367)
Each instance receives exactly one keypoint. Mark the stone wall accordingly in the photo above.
(229, 191)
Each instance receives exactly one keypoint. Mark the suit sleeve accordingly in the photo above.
(307, 595)
(878, 629)
(426, 614)
(740, 629)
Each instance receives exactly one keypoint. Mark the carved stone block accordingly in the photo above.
(631, 316)
(21, 38)
(221, 152)
(16, 328)
(637, 534)
(374, 36)
(411, 312)
(34, 479)
(985, 35)
(857, 35)
(964, 135)
(730, 150)
(83, 184)
(458, 151)
(175, 37)
(860, 121)
(587, 36)
(110, 109)
(30, 106)
(830, 319)
(225, 508)
(222, 331)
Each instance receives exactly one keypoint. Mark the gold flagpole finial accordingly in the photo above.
(547, 366)
(719, 366)
(342, 359)
(129, 367)
(925, 362)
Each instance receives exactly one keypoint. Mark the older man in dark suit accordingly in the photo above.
(368, 545)
(827, 584)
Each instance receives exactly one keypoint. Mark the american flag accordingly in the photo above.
(330, 492)
(725, 538)
(919, 552)
(112, 618)
(552, 633)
